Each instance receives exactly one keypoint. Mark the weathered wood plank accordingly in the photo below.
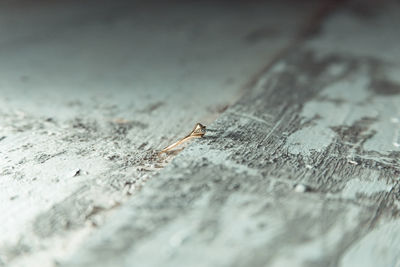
(302, 171)
(90, 89)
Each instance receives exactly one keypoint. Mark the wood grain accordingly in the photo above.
(91, 91)
(302, 171)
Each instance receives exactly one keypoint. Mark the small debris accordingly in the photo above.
(112, 157)
(121, 121)
(2, 138)
(76, 172)
(143, 145)
(352, 162)
(300, 188)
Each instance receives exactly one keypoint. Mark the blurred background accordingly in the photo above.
(64, 58)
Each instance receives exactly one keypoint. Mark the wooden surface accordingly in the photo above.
(91, 90)
(302, 171)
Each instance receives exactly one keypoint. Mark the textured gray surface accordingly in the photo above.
(302, 171)
(89, 91)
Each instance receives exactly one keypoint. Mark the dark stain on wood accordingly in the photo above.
(152, 107)
(357, 133)
(385, 87)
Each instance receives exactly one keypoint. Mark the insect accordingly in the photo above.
(198, 131)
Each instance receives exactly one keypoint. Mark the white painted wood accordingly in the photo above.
(100, 87)
(324, 116)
